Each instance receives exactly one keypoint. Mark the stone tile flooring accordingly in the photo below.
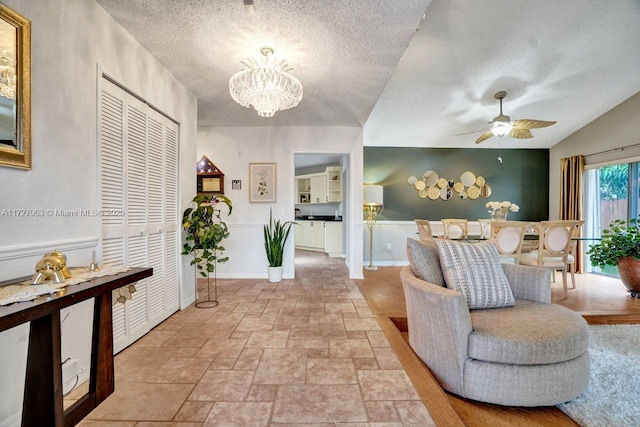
(303, 352)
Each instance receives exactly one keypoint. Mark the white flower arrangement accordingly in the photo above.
(502, 207)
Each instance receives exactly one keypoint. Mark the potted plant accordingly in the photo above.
(620, 245)
(275, 237)
(205, 230)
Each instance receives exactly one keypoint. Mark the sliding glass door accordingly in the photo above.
(611, 193)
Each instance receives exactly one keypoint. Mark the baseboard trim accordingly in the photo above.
(40, 248)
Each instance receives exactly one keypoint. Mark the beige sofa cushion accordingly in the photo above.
(424, 261)
(474, 269)
(527, 334)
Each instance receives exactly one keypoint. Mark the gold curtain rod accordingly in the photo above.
(626, 147)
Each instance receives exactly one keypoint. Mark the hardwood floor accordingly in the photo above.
(599, 299)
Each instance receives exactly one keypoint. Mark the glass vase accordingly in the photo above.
(499, 216)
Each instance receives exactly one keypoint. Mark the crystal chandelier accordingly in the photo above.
(266, 85)
(7, 77)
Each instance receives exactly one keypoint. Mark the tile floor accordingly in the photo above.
(304, 352)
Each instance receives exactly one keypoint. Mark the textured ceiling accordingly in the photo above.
(569, 61)
(343, 52)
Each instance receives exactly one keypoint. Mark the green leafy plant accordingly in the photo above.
(275, 237)
(205, 231)
(621, 239)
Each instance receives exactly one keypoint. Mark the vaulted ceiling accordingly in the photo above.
(409, 81)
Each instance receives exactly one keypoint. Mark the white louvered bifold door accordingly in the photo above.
(111, 116)
(139, 174)
(136, 218)
(171, 218)
(155, 302)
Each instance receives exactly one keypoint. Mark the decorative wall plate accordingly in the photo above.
(473, 192)
(433, 192)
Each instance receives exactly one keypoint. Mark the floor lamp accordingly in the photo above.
(373, 207)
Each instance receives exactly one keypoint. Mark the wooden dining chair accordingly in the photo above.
(508, 237)
(455, 228)
(424, 229)
(554, 248)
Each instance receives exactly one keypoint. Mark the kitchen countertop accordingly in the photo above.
(318, 218)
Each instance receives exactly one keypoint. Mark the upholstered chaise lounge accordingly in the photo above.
(532, 353)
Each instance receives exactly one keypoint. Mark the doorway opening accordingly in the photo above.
(321, 192)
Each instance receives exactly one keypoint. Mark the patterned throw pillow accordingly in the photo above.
(474, 270)
(424, 261)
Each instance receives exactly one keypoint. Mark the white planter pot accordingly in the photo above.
(275, 274)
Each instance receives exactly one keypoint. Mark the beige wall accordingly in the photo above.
(619, 127)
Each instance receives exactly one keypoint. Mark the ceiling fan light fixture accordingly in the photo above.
(265, 85)
(501, 128)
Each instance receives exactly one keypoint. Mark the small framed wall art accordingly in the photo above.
(262, 183)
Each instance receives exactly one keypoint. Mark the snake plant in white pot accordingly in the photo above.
(275, 237)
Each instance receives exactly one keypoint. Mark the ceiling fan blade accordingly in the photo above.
(484, 136)
(473, 131)
(531, 124)
(519, 133)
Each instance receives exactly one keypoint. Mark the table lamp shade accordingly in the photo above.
(373, 195)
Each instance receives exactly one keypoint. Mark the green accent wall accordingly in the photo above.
(522, 178)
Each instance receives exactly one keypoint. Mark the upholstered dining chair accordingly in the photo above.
(424, 229)
(485, 228)
(508, 237)
(554, 248)
(455, 228)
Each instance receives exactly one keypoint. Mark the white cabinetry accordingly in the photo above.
(325, 236)
(319, 189)
(299, 232)
(333, 238)
(303, 188)
(334, 184)
(310, 235)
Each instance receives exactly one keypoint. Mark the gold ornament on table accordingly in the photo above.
(52, 266)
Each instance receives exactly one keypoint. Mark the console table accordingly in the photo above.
(43, 396)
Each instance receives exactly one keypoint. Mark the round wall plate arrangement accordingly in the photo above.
(434, 187)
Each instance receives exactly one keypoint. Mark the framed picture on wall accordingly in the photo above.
(262, 183)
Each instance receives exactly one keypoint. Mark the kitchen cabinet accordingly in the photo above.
(320, 187)
(310, 235)
(325, 236)
(298, 240)
(333, 238)
(303, 188)
(334, 184)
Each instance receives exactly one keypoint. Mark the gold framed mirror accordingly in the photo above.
(15, 89)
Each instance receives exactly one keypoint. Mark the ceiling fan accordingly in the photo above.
(502, 125)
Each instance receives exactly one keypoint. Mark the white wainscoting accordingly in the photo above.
(396, 233)
(247, 238)
(41, 248)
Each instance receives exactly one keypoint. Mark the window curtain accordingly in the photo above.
(571, 171)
